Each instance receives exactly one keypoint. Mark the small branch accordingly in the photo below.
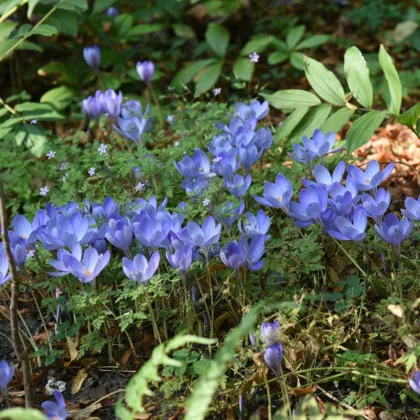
(22, 355)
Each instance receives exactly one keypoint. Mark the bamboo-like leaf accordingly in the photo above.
(294, 36)
(292, 99)
(337, 120)
(290, 123)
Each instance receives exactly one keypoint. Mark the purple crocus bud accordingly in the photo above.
(18, 247)
(277, 195)
(91, 265)
(55, 411)
(415, 382)
(146, 70)
(323, 176)
(255, 110)
(273, 356)
(241, 404)
(239, 185)
(139, 269)
(92, 57)
(270, 332)
(372, 177)
(100, 245)
(376, 207)
(348, 231)
(119, 235)
(112, 12)
(91, 108)
(301, 154)
(394, 231)
(249, 155)
(234, 254)
(6, 375)
(412, 208)
(112, 103)
(181, 256)
(4, 267)
(255, 252)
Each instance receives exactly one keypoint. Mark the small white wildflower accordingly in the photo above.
(254, 57)
(64, 179)
(280, 124)
(54, 385)
(206, 202)
(102, 149)
(44, 191)
(177, 143)
(30, 254)
(91, 171)
(51, 154)
(217, 91)
(211, 175)
(34, 121)
(139, 186)
(217, 159)
(170, 119)
(63, 166)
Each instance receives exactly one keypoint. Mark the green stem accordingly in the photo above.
(159, 111)
(283, 385)
(12, 10)
(152, 316)
(267, 387)
(350, 257)
(211, 296)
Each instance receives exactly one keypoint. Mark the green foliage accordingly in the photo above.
(21, 413)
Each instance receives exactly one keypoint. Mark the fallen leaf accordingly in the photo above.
(126, 356)
(304, 391)
(72, 349)
(78, 381)
(396, 310)
(83, 414)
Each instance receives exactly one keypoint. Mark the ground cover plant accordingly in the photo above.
(200, 213)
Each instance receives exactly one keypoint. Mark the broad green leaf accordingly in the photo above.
(324, 82)
(76, 5)
(101, 5)
(290, 123)
(277, 57)
(60, 97)
(296, 59)
(6, 29)
(31, 7)
(208, 78)
(185, 75)
(363, 128)
(280, 45)
(294, 36)
(122, 25)
(411, 118)
(6, 6)
(111, 81)
(313, 42)
(143, 29)
(292, 98)
(34, 138)
(313, 120)
(35, 111)
(358, 78)
(337, 120)
(218, 38)
(44, 30)
(21, 31)
(243, 69)
(65, 21)
(393, 81)
(183, 31)
(258, 44)
(18, 413)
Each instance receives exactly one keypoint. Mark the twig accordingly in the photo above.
(21, 354)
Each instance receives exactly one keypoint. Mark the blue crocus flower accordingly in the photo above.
(109, 209)
(112, 12)
(27, 230)
(18, 247)
(91, 108)
(255, 110)
(394, 231)
(254, 252)
(312, 206)
(376, 206)
(191, 167)
(89, 267)
(270, 332)
(277, 195)
(226, 164)
(234, 254)
(219, 145)
(111, 103)
(4, 266)
(146, 69)
(412, 208)
(92, 56)
(6, 374)
(56, 411)
(180, 254)
(301, 154)
(150, 230)
(204, 236)
(273, 356)
(263, 139)
(372, 177)
(255, 225)
(323, 176)
(239, 185)
(249, 155)
(350, 231)
(139, 269)
(119, 235)
(415, 382)
(321, 144)
(58, 264)
(228, 213)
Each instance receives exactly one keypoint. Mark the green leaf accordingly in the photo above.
(393, 81)
(183, 31)
(21, 31)
(290, 123)
(75, 5)
(363, 128)
(313, 120)
(291, 99)
(296, 59)
(31, 7)
(21, 413)
(65, 21)
(243, 69)
(411, 118)
(122, 25)
(280, 45)
(258, 44)
(44, 30)
(337, 120)
(294, 36)
(277, 57)
(313, 42)
(35, 111)
(185, 75)
(358, 78)
(218, 38)
(143, 29)
(101, 5)
(60, 97)
(6, 28)
(34, 138)
(324, 82)
(209, 77)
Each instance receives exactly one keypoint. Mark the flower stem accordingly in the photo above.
(159, 111)
(350, 257)
(152, 316)
(267, 387)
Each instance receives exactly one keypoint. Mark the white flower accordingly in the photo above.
(217, 159)
(63, 166)
(139, 186)
(30, 254)
(217, 91)
(206, 202)
(280, 124)
(34, 121)
(91, 171)
(102, 149)
(50, 154)
(170, 119)
(254, 57)
(43, 191)
(177, 143)
(211, 175)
